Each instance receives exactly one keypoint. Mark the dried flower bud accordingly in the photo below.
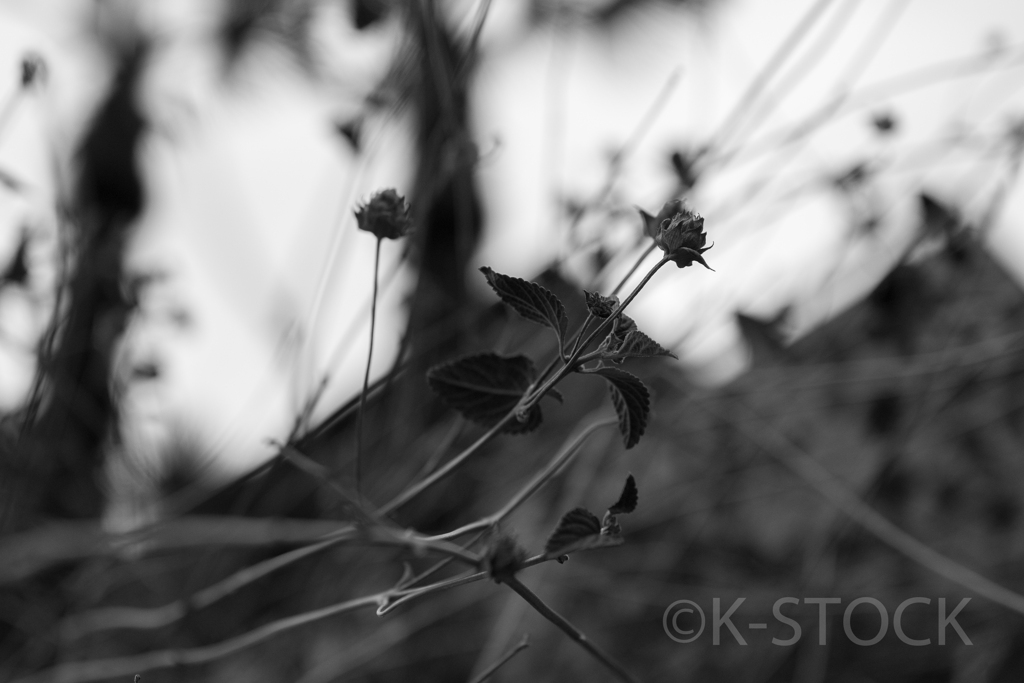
(600, 306)
(679, 232)
(386, 215)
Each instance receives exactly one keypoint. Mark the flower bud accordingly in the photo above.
(679, 232)
(600, 306)
(386, 215)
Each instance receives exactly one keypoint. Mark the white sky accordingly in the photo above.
(252, 176)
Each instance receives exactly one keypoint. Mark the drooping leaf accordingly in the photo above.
(632, 402)
(628, 500)
(579, 529)
(636, 344)
(484, 387)
(530, 300)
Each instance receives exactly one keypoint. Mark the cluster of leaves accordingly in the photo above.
(486, 387)
(503, 393)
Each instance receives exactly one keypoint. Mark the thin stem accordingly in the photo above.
(366, 375)
(566, 626)
(391, 602)
(122, 667)
(157, 617)
(643, 257)
(416, 489)
(478, 26)
(771, 67)
(558, 463)
(805, 466)
(489, 671)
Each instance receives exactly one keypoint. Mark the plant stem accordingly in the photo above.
(566, 626)
(639, 261)
(489, 671)
(366, 375)
(557, 464)
(414, 490)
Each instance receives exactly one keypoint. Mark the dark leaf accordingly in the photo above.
(530, 300)
(485, 387)
(628, 500)
(631, 400)
(579, 529)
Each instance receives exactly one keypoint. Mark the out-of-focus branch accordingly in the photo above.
(29, 552)
(833, 490)
(489, 671)
(122, 667)
(566, 626)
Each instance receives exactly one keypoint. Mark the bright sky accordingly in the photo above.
(252, 176)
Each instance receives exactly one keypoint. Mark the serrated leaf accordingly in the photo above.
(628, 500)
(636, 344)
(632, 402)
(579, 529)
(485, 387)
(530, 300)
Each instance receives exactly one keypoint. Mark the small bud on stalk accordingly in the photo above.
(679, 232)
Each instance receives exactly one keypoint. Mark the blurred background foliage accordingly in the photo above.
(912, 398)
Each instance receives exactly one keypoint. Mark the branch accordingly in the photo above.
(833, 490)
(33, 551)
(122, 667)
(566, 626)
(558, 463)
(489, 671)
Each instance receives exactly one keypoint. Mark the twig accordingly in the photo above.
(762, 79)
(117, 667)
(418, 488)
(111, 618)
(566, 626)
(122, 667)
(558, 463)
(489, 671)
(478, 26)
(825, 483)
